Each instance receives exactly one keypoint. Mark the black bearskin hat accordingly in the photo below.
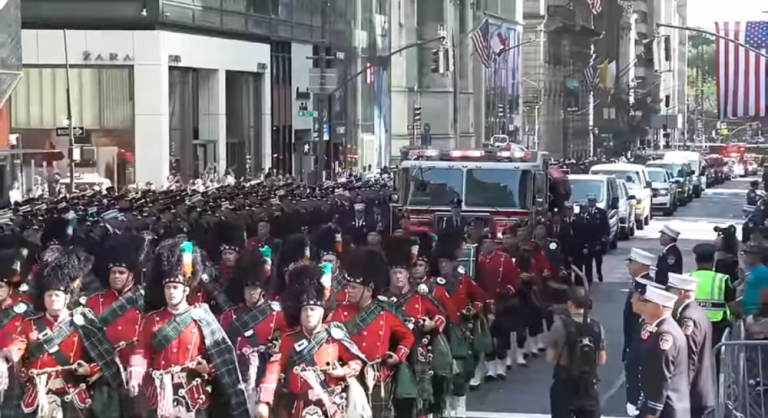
(398, 252)
(367, 267)
(426, 247)
(12, 258)
(175, 261)
(126, 250)
(449, 245)
(294, 250)
(231, 235)
(327, 242)
(50, 276)
(251, 269)
(305, 288)
(57, 231)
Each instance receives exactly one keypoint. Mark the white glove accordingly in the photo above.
(632, 410)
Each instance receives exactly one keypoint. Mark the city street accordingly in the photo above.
(525, 393)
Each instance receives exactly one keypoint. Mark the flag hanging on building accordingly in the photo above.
(480, 39)
(740, 73)
(592, 75)
(595, 5)
(499, 42)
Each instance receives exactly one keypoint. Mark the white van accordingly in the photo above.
(697, 164)
(606, 189)
(638, 183)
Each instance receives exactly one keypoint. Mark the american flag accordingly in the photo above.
(592, 75)
(740, 75)
(482, 44)
(595, 5)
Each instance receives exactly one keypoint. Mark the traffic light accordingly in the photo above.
(500, 108)
(668, 48)
(416, 114)
(438, 61)
(451, 58)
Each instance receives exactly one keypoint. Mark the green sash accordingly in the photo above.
(115, 311)
(171, 330)
(48, 341)
(243, 324)
(359, 322)
(7, 314)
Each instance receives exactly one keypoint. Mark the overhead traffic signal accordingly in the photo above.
(438, 61)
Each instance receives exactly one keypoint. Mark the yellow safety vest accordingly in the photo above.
(710, 294)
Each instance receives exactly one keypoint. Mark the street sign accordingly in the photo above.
(78, 131)
(307, 114)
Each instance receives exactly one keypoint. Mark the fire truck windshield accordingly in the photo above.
(431, 186)
(497, 188)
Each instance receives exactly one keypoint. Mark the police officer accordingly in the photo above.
(714, 292)
(664, 354)
(752, 196)
(671, 259)
(593, 231)
(755, 220)
(697, 329)
(576, 346)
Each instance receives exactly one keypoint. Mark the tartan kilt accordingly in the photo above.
(11, 404)
(381, 401)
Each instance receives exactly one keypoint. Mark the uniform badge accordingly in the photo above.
(23, 288)
(82, 300)
(248, 333)
(20, 308)
(275, 306)
(645, 332)
(440, 281)
(205, 278)
(586, 251)
(422, 289)
(461, 270)
(687, 326)
(552, 246)
(750, 224)
(382, 298)
(337, 334)
(78, 319)
(671, 259)
(197, 314)
(393, 299)
(665, 341)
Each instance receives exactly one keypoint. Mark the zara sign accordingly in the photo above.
(102, 58)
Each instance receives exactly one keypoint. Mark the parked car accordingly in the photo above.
(606, 189)
(697, 164)
(636, 177)
(626, 212)
(664, 191)
(681, 176)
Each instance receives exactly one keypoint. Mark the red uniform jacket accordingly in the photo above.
(186, 348)
(442, 297)
(468, 293)
(125, 330)
(11, 328)
(374, 340)
(262, 332)
(419, 306)
(497, 274)
(331, 352)
(540, 260)
(59, 383)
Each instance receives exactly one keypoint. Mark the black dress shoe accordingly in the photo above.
(474, 388)
(489, 378)
(501, 377)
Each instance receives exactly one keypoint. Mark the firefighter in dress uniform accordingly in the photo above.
(535, 270)
(120, 307)
(663, 354)
(180, 348)
(359, 227)
(594, 231)
(252, 325)
(498, 276)
(471, 338)
(698, 332)
(521, 308)
(638, 267)
(422, 272)
(60, 354)
(671, 259)
(317, 358)
(414, 395)
(374, 326)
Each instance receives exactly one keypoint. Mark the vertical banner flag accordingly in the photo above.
(740, 73)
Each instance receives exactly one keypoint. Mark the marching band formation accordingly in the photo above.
(257, 299)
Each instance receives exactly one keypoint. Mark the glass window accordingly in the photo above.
(657, 176)
(676, 169)
(632, 178)
(581, 188)
(497, 188)
(433, 186)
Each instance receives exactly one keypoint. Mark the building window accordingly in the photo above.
(102, 103)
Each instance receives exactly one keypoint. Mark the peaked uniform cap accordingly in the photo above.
(667, 230)
(682, 282)
(642, 257)
(660, 296)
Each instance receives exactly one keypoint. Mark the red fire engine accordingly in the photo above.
(500, 186)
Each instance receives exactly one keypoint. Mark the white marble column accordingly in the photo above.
(152, 121)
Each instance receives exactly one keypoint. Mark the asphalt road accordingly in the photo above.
(525, 393)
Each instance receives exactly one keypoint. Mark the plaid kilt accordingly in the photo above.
(11, 404)
(224, 360)
(381, 400)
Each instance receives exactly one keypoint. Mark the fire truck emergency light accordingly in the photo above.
(489, 154)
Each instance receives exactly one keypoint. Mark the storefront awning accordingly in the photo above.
(8, 82)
